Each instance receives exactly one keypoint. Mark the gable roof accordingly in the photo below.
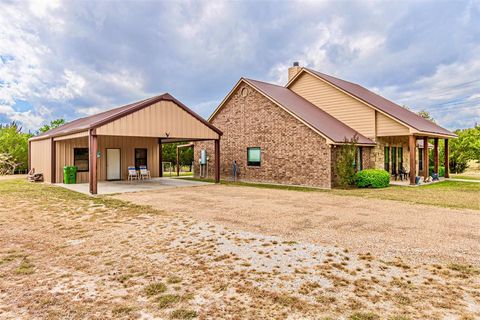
(386, 106)
(323, 123)
(99, 119)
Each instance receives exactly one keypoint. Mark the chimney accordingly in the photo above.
(292, 71)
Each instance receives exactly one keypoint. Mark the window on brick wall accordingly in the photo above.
(254, 156)
(386, 153)
(358, 163)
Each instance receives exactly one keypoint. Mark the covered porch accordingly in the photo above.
(425, 158)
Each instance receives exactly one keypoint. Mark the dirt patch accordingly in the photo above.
(389, 229)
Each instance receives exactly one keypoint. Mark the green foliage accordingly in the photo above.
(441, 171)
(463, 149)
(14, 148)
(372, 178)
(425, 115)
(52, 125)
(169, 154)
(345, 161)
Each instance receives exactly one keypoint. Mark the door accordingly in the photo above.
(113, 164)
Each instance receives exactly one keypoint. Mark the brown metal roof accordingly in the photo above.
(100, 119)
(402, 114)
(329, 126)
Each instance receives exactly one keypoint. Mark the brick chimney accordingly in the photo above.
(292, 71)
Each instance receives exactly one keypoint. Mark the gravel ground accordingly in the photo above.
(64, 255)
(389, 229)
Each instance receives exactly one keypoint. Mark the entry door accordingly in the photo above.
(113, 164)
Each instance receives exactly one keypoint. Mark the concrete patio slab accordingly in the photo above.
(112, 187)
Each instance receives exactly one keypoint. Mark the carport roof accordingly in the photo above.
(99, 119)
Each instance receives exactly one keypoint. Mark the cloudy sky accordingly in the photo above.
(68, 59)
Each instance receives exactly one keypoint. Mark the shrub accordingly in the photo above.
(372, 178)
(441, 171)
(345, 161)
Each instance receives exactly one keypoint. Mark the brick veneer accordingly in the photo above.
(291, 152)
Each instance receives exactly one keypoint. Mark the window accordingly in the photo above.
(394, 160)
(358, 164)
(400, 158)
(387, 158)
(420, 159)
(80, 159)
(140, 158)
(253, 157)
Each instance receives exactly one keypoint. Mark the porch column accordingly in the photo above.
(412, 144)
(426, 161)
(92, 162)
(446, 160)
(435, 155)
(217, 161)
(160, 158)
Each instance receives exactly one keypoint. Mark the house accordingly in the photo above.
(103, 146)
(292, 134)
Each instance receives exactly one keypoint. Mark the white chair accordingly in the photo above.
(132, 174)
(144, 173)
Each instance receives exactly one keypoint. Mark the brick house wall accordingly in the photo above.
(291, 152)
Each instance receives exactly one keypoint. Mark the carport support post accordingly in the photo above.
(426, 161)
(92, 159)
(412, 143)
(178, 163)
(447, 175)
(160, 158)
(217, 161)
(435, 155)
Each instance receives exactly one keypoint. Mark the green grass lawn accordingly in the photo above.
(464, 176)
(450, 194)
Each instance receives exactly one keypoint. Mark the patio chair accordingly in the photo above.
(144, 173)
(132, 174)
(403, 173)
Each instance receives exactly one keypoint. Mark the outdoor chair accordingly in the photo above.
(132, 174)
(144, 173)
(403, 173)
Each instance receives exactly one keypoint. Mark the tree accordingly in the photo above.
(14, 147)
(53, 124)
(169, 154)
(463, 149)
(425, 115)
(345, 162)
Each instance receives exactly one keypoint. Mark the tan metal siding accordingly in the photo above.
(72, 136)
(350, 111)
(40, 154)
(127, 145)
(156, 121)
(389, 127)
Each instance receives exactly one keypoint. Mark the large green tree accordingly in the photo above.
(52, 125)
(14, 148)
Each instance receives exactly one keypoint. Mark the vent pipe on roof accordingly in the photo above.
(292, 71)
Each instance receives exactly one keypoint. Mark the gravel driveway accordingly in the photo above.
(387, 229)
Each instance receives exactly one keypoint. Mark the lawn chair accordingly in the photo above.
(144, 173)
(34, 177)
(132, 174)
